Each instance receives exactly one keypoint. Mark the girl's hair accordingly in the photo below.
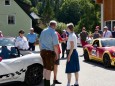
(70, 26)
(21, 31)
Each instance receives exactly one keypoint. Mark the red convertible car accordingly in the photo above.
(102, 50)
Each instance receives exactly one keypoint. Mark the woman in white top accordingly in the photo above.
(72, 65)
(21, 41)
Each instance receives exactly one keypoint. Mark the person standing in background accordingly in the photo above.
(107, 33)
(1, 34)
(57, 61)
(96, 34)
(21, 41)
(72, 65)
(83, 36)
(32, 37)
(99, 31)
(49, 50)
(64, 44)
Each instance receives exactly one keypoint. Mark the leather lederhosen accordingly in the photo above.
(48, 58)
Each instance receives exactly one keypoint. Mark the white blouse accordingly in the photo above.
(72, 37)
(21, 43)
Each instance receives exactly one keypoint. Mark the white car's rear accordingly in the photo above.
(22, 67)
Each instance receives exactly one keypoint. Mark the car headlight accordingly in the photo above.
(113, 53)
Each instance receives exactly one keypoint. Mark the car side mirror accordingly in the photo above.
(0, 59)
(95, 45)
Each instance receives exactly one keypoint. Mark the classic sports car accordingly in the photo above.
(15, 66)
(102, 50)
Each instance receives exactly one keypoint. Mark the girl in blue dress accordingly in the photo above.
(72, 65)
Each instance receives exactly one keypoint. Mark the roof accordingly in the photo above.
(26, 8)
(34, 15)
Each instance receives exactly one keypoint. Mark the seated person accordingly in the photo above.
(5, 53)
(21, 41)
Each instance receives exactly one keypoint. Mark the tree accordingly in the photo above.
(33, 9)
(80, 12)
(48, 12)
(69, 12)
(90, 17)
(57, 5)
(27, 2)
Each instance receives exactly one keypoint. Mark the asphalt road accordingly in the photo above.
(91, 74)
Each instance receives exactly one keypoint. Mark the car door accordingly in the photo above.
(10, 69)
(94, 52)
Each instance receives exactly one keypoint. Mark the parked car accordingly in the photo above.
(102, 50)
(15, 66)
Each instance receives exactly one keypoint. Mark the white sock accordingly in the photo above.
(76, 83)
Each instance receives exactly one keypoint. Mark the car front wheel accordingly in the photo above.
(106, 60)
(86, 55)
(34, 75)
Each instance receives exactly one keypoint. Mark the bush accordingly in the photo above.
(60, 27)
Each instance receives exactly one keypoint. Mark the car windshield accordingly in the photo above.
(108, 42)
(6, 41)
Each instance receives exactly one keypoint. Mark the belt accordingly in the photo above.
(47, 50)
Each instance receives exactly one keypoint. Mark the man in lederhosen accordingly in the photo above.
(49, 50)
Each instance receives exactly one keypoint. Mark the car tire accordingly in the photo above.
(86, 55)
(34, 75)
(106, 60)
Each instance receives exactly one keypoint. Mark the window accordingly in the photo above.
(96, 42)
(11, 19)
(108, 24)
(113, 25)
(7, 2)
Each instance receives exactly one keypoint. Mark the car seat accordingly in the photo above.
(5, 53)
(13, 52)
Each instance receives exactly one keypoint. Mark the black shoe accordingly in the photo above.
(76, 85)
(56, 82)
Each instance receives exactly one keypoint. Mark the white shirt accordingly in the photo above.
(72, 37)
(107, 34)
(21, 43)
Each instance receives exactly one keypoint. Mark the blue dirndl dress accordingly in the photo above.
(73, 65)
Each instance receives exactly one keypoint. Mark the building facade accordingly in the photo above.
(13, 18)
(107, 13)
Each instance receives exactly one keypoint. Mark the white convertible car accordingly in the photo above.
(23, 66)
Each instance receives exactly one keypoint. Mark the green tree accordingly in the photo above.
(90, 15)
(69, 12)
(61, 26)
(27, 2)
(48, 12)
(33, 9)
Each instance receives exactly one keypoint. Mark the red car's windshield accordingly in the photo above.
(108, 42)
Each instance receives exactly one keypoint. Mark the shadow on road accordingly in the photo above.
(19, 84)
(99, 64)
(63, 58)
